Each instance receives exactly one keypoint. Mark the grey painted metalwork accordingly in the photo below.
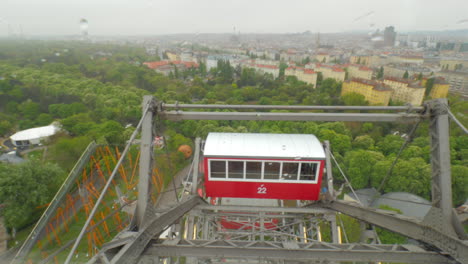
(407, 226)
(298, 224)
(343, 117)
(196, 161)
(237, 208)
(440, 158)
(155, 226)
(329, 173)
(146, 161)
(106, 187)
(462, 127)
(296, 107)
(294, 251)
(64, 189)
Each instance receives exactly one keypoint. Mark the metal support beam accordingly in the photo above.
(295, 107)
(146, 162)
(332, 117)
(440, 158)
(266, 209)
(295, 251)
(131, 252)
(406, 226)
(196, 161)
(329, 173)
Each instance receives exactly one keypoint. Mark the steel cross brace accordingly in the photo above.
(131, 251)
(294, 251)
(333, 117)
(406, 226)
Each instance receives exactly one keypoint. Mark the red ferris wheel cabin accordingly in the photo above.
(270, 166)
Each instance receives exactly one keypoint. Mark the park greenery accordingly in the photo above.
(95, 92)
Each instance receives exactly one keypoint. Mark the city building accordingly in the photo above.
(165, 67)
(389, 37)
(405, 59)
(172, 56)
(440, 87)
(360, 59)
(358, 71)
(34, 136)
(458, 80)
(234, 60)
(264, 68)
(306, 75)
(328, 71)
(322, 57)
(406, 91)
(453, 64)
(375, 92)
(399, 70)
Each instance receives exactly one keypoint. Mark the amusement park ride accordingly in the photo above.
(266, 198)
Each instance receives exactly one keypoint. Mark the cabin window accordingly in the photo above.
(218, 169)
(308, 171)
(236, 169)
(290, 171)
(271, 170)
(253, 170)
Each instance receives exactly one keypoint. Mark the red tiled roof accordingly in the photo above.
(157, 64)
(295, 67)
(309, 71)
(364, 68)
(267, 66)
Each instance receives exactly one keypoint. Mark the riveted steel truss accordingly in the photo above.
(297, 238)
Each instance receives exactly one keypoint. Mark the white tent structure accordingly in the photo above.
(34, 136)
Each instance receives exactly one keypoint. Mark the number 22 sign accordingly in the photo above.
(262, 189)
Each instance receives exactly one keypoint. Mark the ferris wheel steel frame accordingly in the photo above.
(440, 229)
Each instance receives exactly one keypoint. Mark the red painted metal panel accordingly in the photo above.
(243, 225)
(265, 190)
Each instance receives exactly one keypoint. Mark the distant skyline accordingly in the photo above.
(157, 17)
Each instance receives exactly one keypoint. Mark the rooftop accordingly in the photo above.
(291, 146)
(410, 83)
(157, 64)
(35, 133)
(375, 84)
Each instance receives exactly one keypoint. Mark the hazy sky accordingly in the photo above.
(131, 17)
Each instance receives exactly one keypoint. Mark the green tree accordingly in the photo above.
(29, 109)
(459, 184)
(429, 85)
(66, 151)
(25, 187)
(339, 142)
(354, 99)
(390, 144)
(380, 72)
(5, 127)
(319, 78)
(406, 75)
(44, 119)
(363, 142)
(360, 165)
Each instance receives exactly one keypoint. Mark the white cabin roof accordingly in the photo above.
(294, 146)
(35, 133)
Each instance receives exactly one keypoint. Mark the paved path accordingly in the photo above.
(168, 195)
